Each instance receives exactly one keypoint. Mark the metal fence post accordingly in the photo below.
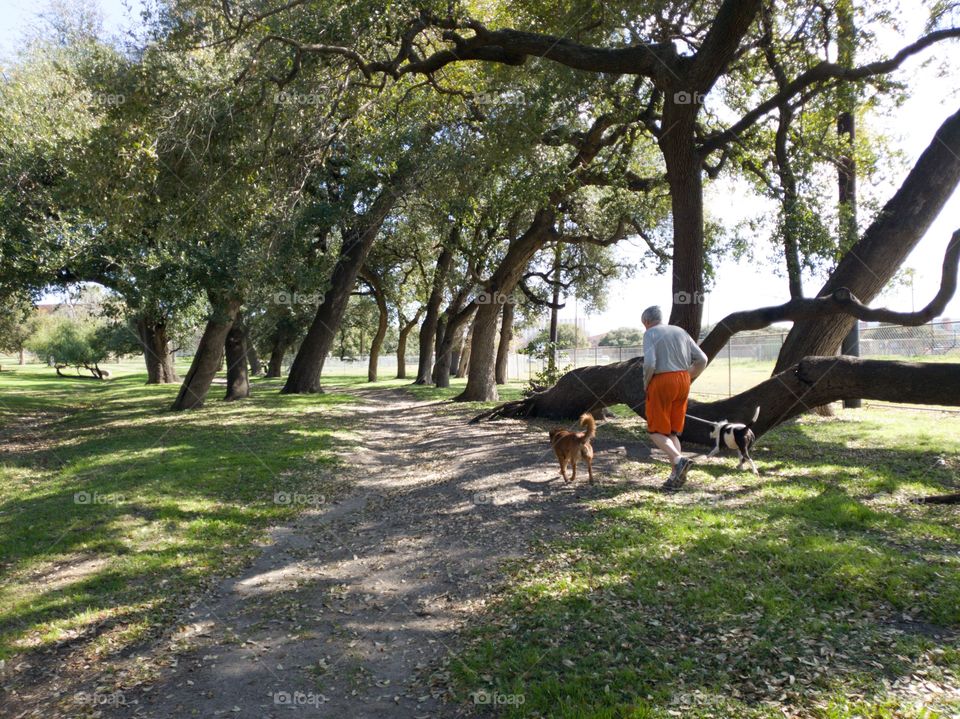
(729, 370)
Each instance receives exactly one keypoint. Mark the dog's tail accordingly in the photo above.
(756, 414)
(587, 420)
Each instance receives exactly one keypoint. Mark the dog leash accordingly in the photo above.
(700, 419)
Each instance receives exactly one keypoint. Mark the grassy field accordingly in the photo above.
(816, 590)
(114, 512)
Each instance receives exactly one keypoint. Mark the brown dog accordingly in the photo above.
(571, 446)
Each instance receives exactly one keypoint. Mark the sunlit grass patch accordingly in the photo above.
(114, 511)
(815, 591)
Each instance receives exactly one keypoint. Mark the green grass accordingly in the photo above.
(115, 512)
(816, 589)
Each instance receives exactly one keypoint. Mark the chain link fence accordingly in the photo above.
(749, 358)
(746, 360)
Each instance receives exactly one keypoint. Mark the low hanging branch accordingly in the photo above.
(839, 301)
(813, 382)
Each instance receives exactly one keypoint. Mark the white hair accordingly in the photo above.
(651, 314)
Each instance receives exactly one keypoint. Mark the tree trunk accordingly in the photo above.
(791, 202)
(156, 351)
(235, 346)
(813, 382)
(305, 371)
(403, 332)
(23, 356)
(685, 178)
(463, 361)
(452, 334)
(439, 335)
(428, 330)
(402, 351)
(381, 299)
(870, 264)
(441, 370)
(206, 362)
(481, 382)
(275, 366)
(481, 379)
(503, 349)
(253, 359)
(454, 317)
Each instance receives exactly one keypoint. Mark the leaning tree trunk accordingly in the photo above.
(441, 369)
(812, 382)
(870, 264)
(235, 346)
(156, 351)
(481, 382)
(453, 318)
(481, 379)
(503, 348)
(206, 361)
(428, 330)
(305, 371)
(376, 345)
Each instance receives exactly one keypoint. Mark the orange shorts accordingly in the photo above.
(667, 402)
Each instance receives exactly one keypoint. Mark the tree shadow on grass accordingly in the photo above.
(716, 597)
(748, 594)
(167, 497)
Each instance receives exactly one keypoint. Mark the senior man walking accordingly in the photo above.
(671, 359)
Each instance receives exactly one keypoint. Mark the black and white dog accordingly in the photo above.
(738, 436)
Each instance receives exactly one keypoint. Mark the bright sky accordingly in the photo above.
(740, 285)
(20, 17)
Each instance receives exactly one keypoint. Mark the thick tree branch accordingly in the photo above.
(513, 47)
(730, 24)
(839, 301)
(821, 73)
(870, 264)
(812, 382)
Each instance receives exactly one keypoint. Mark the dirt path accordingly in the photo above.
(355, 610)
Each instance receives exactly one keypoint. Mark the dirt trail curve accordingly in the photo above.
(354, 610)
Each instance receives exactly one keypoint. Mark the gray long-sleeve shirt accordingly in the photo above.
(667, 348)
